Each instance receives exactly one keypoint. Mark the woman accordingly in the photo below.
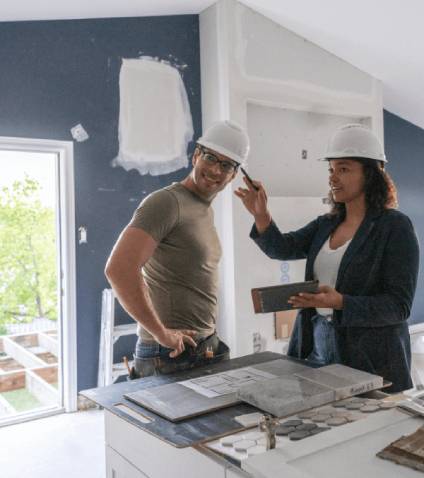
(364, 252)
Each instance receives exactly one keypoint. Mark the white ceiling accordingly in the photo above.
(384, 38)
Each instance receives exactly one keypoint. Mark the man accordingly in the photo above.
(172, 239)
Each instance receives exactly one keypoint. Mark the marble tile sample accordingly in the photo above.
(176, 402)
(345, 381)
(281, 367)
(286, 395)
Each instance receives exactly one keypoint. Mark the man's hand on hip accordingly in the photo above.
(176, 339)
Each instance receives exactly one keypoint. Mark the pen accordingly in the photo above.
(249, 179)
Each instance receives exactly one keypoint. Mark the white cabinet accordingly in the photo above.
(148, 456)
(118, 467)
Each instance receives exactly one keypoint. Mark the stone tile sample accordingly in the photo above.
(353, 417)
(320, 418)
(291, 423)
(372, 401)
(256, 450)
(387, 405)
(229, 441)
(370, 408)
(284, 431)
(244, 445)
(307, 426)
(299, 435)
(248, 419)
(286, 395)
(336, 421)
(345, 381)
(281, 367)
(307, 414)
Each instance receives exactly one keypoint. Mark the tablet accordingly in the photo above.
(274, 298)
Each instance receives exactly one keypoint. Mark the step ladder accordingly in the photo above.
(110, 333)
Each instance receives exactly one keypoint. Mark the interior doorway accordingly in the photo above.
(37, 279)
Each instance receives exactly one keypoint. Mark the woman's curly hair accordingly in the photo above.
(380, 190)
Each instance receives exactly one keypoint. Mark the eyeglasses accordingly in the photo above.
(225, 166)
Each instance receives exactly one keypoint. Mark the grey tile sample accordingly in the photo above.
(286, 395)
(176, 402)
(281, 367)
(299, 435)
(345, 381)
(284, 431)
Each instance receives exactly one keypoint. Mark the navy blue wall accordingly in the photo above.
(56, 74)
(404, 144)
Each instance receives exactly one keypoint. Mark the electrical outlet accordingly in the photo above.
(257, 342)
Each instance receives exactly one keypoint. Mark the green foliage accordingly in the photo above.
(21, 400)
(27, 254)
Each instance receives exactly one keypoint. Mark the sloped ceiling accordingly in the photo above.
(384, 38)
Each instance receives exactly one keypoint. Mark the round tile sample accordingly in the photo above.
(229, 441)
(358, 400)
(387, 405)
(320, 418)
(243, 445)
(299, 435)
(307, 414)
(256, 450)
(340, 413)
(324, 411)
(341, 403)
(372, 401)
(354, 416)
(307, 427)
(336, 421)
(284, 431)
(370, 408)
(291, 423)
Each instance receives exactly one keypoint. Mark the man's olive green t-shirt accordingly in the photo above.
(182, 274)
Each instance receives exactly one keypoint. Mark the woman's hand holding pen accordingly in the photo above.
(326, 297)
(255, 201)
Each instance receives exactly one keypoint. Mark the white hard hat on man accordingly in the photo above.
(226, 138)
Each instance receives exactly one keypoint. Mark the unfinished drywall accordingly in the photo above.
(285, 147)
(290, 95)
(155, 124)
(65, 73)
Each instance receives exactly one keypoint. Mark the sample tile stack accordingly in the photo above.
(300, 426)
(289, 394)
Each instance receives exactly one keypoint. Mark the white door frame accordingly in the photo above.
(67, 269)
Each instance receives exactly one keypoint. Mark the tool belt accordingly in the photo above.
(208, 351)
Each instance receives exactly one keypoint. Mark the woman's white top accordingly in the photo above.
(326, 267)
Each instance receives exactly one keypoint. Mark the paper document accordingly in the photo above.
(226, 382)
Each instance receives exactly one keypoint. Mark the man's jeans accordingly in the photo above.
(154, 359)
(325, 349)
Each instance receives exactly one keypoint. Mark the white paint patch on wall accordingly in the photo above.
(155, 123)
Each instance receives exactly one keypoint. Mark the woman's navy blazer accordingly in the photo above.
(377, 277)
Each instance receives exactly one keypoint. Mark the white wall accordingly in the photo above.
(290, 95)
